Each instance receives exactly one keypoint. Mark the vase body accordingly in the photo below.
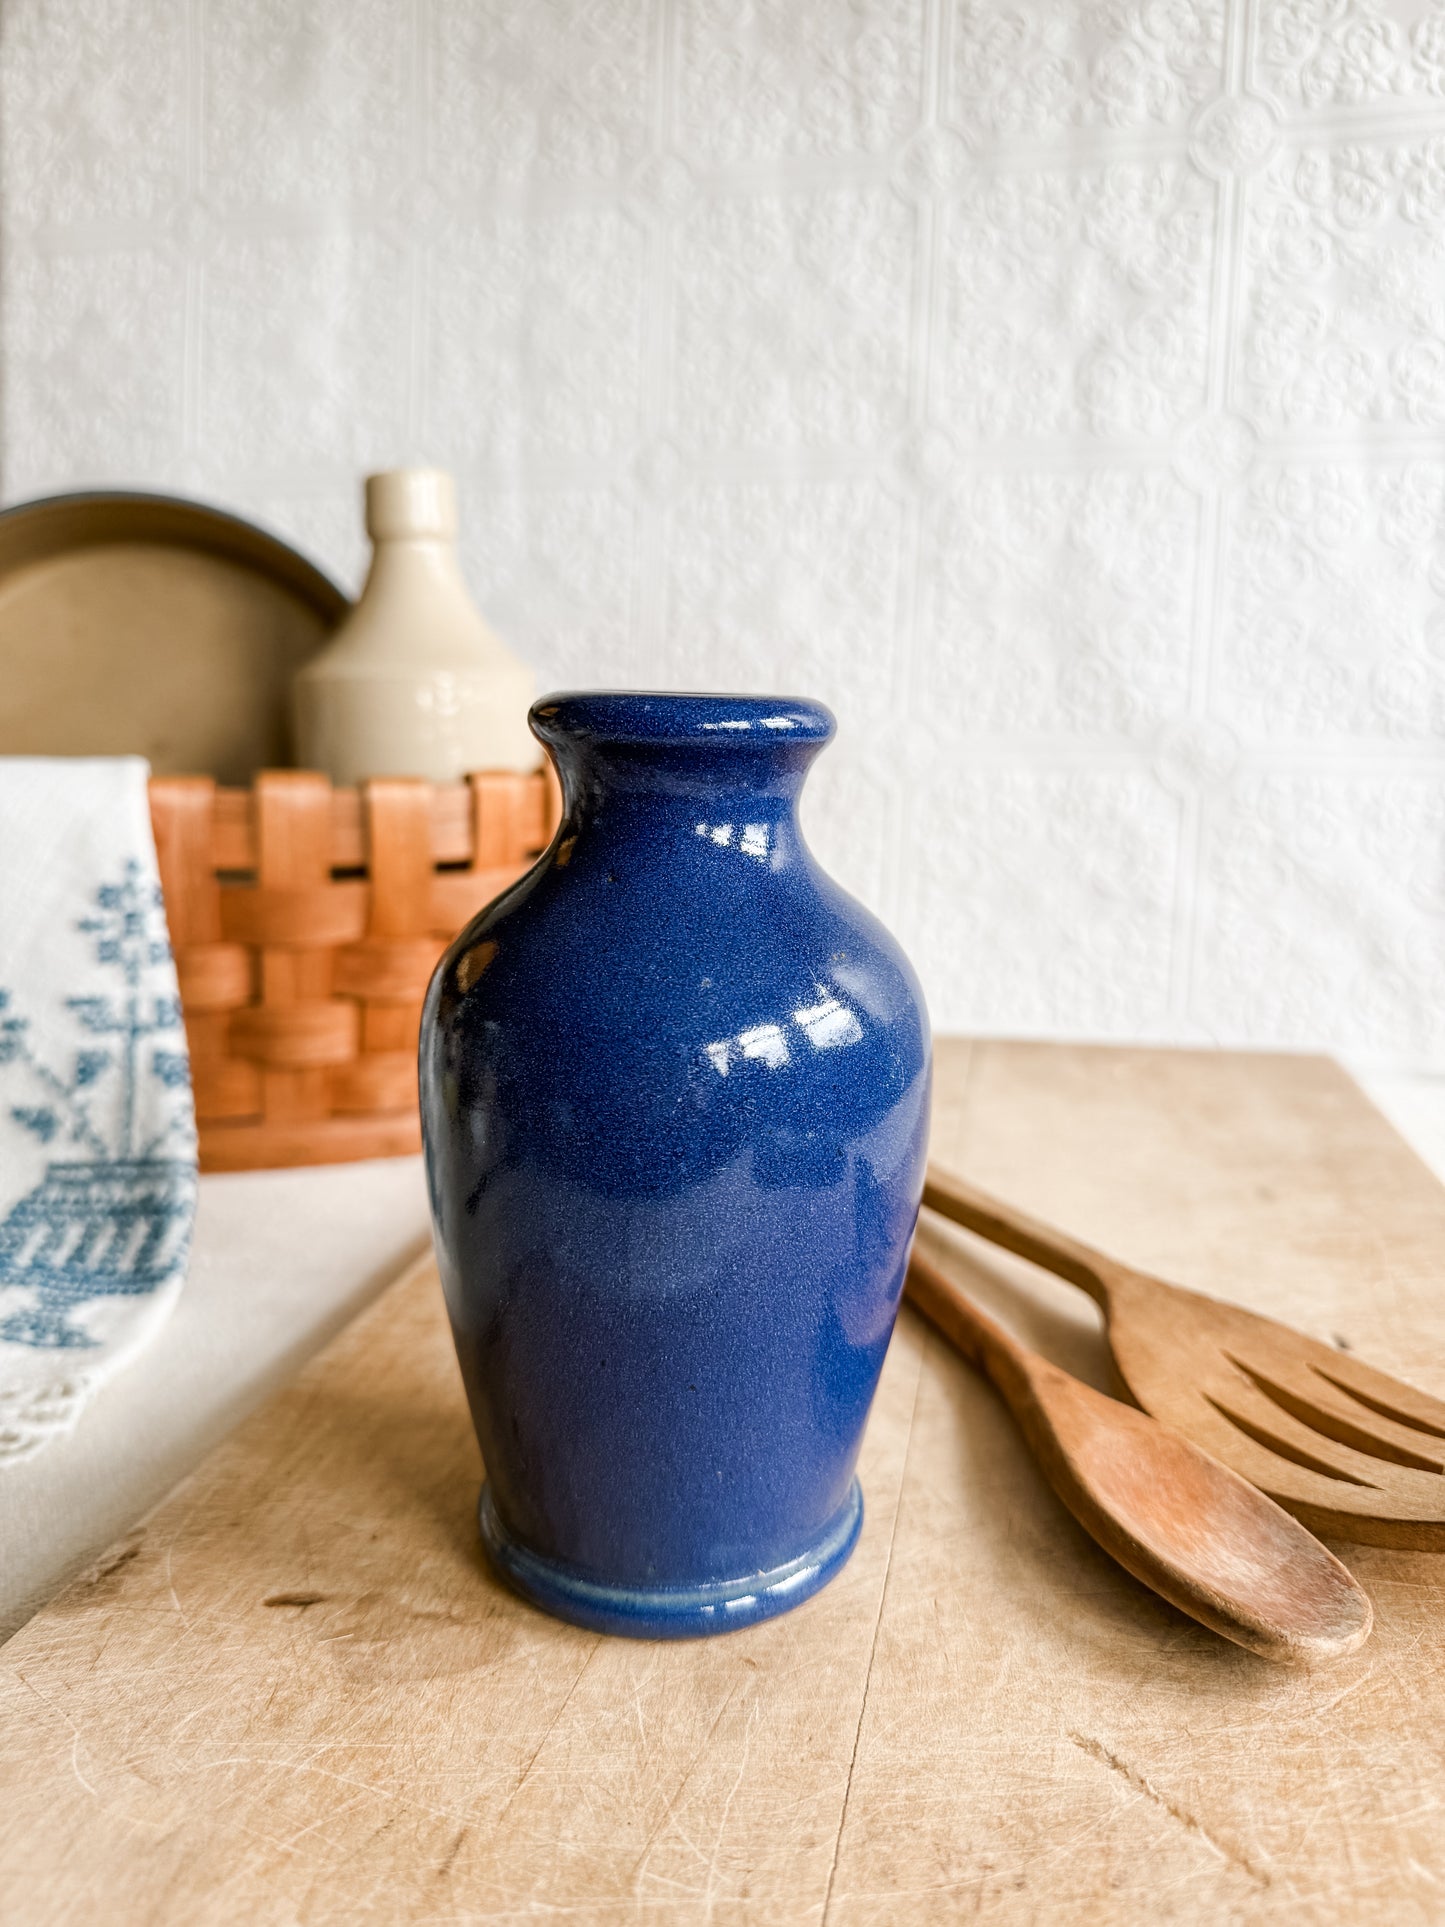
(413, 683)
(675, 1101)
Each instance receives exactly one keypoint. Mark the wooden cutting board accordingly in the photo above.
(296, 1695)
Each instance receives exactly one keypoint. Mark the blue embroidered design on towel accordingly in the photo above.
(115, 1223)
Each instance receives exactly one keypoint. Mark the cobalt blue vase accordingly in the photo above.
(674, 1091)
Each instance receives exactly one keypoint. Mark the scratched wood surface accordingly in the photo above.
(296, 1695)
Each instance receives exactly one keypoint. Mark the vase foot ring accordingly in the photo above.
(672, 1612)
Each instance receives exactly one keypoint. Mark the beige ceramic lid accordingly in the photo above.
(149, 626)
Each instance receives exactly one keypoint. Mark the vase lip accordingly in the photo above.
(697, 718)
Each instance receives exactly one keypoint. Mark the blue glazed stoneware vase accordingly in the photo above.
(674, 1092)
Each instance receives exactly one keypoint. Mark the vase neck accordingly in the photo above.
(728, 769)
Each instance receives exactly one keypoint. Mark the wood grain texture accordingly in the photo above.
(295, 1695)
(1200, 1535)
(1352, 1451)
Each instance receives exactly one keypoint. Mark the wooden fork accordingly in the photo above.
(1350, 1451)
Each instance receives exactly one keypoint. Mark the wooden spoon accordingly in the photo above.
(1349, 1450)
(1178, 1520)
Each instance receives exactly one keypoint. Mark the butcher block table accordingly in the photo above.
(296, 1694)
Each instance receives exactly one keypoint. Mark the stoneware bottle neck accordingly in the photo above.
(415, 608)
(412, 557)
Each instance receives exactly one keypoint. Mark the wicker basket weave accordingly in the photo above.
(306, 923)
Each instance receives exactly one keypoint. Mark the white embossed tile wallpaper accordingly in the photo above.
(1059, 390)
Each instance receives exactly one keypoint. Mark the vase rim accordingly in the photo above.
(699, 718)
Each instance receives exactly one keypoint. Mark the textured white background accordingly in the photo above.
(1058, 390)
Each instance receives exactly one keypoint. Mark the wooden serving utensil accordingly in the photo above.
(1349, 1450)
(1177, 1519)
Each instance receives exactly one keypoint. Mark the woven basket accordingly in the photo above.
(306, 923)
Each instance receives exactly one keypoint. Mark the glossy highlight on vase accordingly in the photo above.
(674, 1095)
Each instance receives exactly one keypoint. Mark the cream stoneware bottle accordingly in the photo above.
(413, 683)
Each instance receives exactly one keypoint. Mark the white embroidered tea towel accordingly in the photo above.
(97, 1131)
